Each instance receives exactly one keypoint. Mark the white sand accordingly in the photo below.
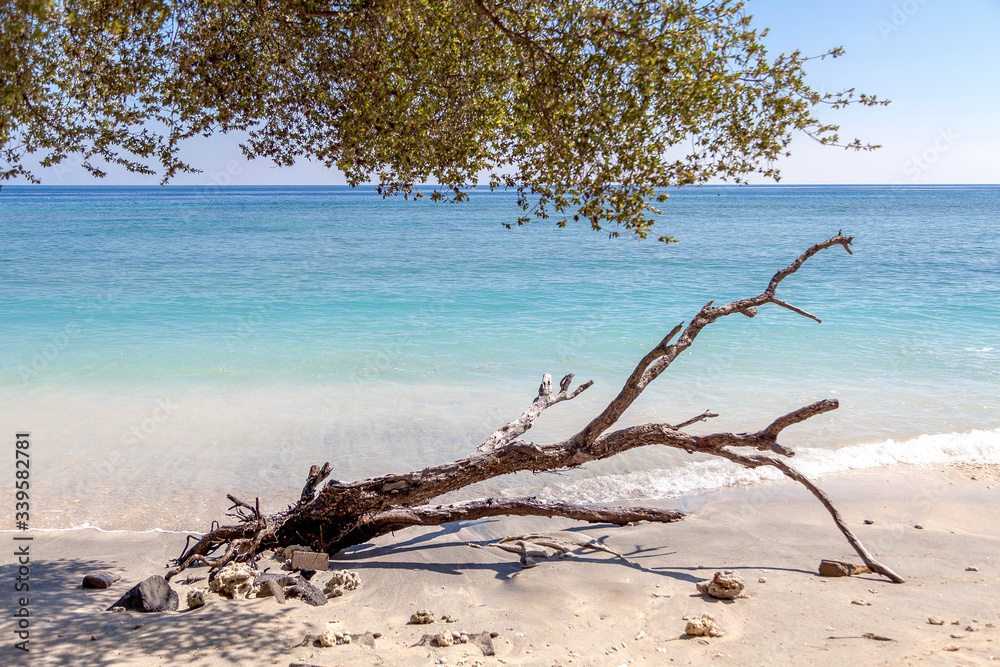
(589, 608)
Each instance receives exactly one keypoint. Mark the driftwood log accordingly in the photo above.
(342, 514)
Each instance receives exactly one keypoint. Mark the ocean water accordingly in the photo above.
(166, 346)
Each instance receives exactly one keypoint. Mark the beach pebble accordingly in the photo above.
(972, 568)
(342, 581)
(151, 595)
(448, 618)
(861, 603)
(422, 617)
(918, 527)
(726, 585)
(236, 581)
(703, 626)
(762, 580)
(868, 522)
(100, 580)
(444, 639)
(307, 593)
(935, 621)
(196, 598)
(836, 568)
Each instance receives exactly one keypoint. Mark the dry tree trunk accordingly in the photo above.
(343, 514)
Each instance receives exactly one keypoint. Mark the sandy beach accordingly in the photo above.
(588, 608)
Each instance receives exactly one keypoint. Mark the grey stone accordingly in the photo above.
(151, 595)
(307, 593)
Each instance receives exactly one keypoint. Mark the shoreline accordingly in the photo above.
(588, 608)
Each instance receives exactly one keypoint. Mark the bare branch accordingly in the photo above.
(633, 386)
(756, 460)
(316, 475)
(839, 239)
(779, 302)
(508, 432)
(660, 357)
(705, 416)
(800, 415)
(385, 522)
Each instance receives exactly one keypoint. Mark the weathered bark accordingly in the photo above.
(342, 514)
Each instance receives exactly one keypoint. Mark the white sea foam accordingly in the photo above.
(982, 446)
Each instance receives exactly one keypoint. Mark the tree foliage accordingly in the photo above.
(588, 108)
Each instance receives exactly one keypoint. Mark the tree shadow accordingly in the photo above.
(69, 624)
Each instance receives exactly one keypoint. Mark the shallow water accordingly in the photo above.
(166, 346)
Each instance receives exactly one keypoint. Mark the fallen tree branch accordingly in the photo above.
(755, 461)
(342, 514)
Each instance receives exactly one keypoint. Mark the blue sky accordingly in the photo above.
(938, 61)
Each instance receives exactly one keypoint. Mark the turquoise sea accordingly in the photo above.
(166, 346)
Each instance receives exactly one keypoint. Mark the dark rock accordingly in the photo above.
(100, 580)
(152, 595)
(281, 578)
(310, 560)
(307, 593)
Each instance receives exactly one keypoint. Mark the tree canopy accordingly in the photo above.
(587, 108)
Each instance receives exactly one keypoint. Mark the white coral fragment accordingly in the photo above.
(236, 581)
(703, 626)
(341, 581)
